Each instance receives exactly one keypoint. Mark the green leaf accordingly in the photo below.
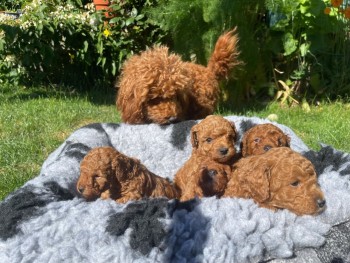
(100, 47)
(304, 9)
(289, 44)
(304, 48)
(115, 20)
(114, 68)
(129, 21)
(139, 17)
(133, 12)
(86, 46)
(115, 7)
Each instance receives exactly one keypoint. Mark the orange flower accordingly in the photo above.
(327, 10)
(347, 12)
(336, 3)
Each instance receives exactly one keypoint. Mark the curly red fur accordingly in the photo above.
(107, 173)
(277, 179)
(159, 87)
(261, 138)
(205, 172)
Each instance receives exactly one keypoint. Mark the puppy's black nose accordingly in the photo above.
(223, 151)
(321, 203)
(212, 173)
(80, 189)
(267, 148)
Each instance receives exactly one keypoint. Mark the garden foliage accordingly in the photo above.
(290, 48)
(69, 42)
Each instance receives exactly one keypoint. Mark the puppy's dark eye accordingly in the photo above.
(208, 140)
(296, 183)
(257, 140)
(267, 148)
(96, 176)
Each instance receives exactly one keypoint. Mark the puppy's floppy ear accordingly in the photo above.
(244, 143)
(258, 182)
(194, 139)
(234, 129)
(134, 105)
(132, 97)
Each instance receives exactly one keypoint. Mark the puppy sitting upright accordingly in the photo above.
(261, 138)
(107, 173)
(212, 145)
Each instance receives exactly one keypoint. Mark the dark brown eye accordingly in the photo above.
(257, 140)
(208, 140)
(296, 183)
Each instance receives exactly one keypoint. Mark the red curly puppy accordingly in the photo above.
(212, 180)
(107, 173)
(212, 150)
(277, 179)
(261, 138)
(158, 87)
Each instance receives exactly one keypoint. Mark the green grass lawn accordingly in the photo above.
(34, 122)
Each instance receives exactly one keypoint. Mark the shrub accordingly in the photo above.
(313, 43)
(289, 47)
(65, 42)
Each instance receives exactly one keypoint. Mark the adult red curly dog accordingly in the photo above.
(158, 87)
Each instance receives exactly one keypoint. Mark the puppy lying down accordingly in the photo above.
(279, 178)
(107, 173)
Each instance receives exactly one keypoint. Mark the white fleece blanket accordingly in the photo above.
(45, 220)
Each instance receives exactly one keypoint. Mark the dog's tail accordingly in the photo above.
(225, 55)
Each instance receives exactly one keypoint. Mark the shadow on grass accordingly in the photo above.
(107, 95)
(102, 96)
(241, 108)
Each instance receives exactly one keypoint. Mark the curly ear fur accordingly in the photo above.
(244, 142)
(258, 183)
(131, 98)
(235, 130)
(250, 178)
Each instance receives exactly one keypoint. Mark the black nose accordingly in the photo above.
(223, 151)
(212, 173)
(267, 147)
(321, 203)
(80, 189)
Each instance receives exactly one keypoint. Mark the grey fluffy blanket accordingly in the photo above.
(46, 221)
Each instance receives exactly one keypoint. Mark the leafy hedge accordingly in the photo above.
(66, 42)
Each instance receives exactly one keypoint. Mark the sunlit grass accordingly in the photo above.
(32, 126)
(35, 121)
